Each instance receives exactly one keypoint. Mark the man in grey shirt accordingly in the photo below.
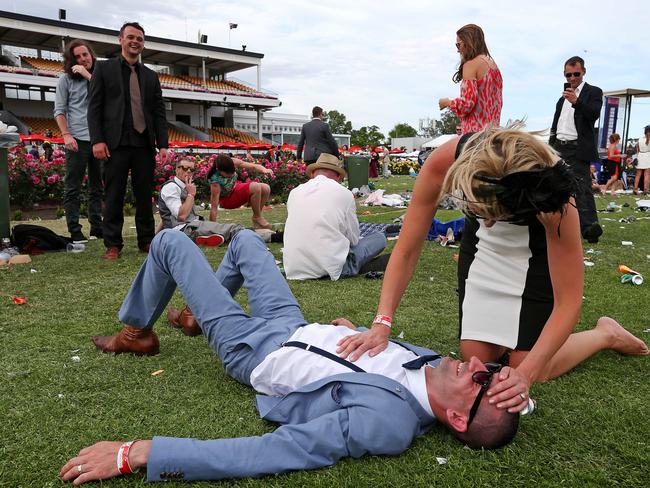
(70, 111)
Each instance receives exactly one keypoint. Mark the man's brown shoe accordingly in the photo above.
(142, 342)
(112, 253)
(184, 319)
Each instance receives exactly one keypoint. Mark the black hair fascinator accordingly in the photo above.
(525, 194)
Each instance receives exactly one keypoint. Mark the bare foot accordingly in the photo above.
(622, 341)
(260, 223)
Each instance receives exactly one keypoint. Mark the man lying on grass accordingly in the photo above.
(327, 408)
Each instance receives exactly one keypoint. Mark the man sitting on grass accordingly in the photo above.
(328, 408)
(176, 207)
(321, 235)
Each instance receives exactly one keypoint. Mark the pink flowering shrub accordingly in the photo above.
(34, 180)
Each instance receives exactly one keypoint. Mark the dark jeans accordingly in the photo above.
(584, 195)
(75, 169)
(141, 162)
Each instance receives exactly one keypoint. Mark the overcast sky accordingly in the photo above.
(388, 62)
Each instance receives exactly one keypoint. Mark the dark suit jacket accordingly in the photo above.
(587, 111)
(316, 138)
(106, 104)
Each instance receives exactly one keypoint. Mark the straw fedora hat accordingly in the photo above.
(327, 161)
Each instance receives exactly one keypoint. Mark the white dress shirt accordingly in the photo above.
(566, 124)
(320, 228)
(289, 368)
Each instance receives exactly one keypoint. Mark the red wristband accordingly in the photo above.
(123, 465)
(383, 320)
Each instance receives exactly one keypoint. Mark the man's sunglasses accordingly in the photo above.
(189, 169)
(575, 74)
(482, 378)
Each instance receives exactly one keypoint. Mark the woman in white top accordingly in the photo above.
(643, 161)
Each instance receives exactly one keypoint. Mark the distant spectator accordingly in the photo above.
(47, 150)
(316, 138)
(613, 163)
(373, 170)
(643, 162)
(34, 151)
(48, 133)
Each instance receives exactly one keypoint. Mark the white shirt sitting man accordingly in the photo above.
(321, 236)
(176, 207)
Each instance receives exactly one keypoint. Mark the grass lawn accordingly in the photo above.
(592, 426)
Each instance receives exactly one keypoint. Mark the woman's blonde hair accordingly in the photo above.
(493, 152)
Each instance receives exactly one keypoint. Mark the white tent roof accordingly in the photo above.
(439, 141)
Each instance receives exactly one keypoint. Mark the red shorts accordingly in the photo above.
(238, 196)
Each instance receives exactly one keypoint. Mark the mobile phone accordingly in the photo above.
(567, 86)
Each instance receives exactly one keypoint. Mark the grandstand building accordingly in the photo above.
(203, 100)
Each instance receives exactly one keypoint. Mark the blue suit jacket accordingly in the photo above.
(349, 414)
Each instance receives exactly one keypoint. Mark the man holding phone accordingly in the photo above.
(574, 137)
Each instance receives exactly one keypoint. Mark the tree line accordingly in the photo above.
(371, 135)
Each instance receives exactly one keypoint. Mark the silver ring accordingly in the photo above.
(522, 396)
(79, 468)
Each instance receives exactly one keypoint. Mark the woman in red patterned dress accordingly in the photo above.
(480, 80)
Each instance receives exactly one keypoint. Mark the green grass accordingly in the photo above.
(592, 426)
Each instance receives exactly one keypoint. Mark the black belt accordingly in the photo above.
(566, 143)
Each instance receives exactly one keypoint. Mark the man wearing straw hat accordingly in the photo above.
(321, 235)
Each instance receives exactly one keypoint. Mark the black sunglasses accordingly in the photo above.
(575, 74)
(482, 378)
(189, 169)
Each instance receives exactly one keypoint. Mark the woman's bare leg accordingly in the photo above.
(484, 351)
(256, 202)
(607, 334)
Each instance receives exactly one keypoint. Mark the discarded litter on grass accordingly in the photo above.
(627, 243)
(441, 460)
(76, 359)
(588, 263)
(33, 271)
(401, 335)
(158, 372)
(19, 300)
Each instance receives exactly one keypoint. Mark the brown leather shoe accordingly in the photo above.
(184, 319)
(145, 248)
(112, 253)
(141, 342)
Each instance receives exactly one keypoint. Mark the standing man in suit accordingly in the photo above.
(574, 137)
(126, 119)
(316, 138)
(328, 408)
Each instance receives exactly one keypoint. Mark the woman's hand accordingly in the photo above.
(372, 341)
(511, 392)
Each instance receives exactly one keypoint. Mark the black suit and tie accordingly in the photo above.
(316, 138)
(131, 136)
(579, 153)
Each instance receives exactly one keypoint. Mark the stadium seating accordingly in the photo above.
(40, 125)
(43, 65)
(173, 134)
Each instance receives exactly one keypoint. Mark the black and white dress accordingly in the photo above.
(504, 285)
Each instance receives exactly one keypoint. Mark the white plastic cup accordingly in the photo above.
(530, 408)
(637, 279)
(75, 247)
